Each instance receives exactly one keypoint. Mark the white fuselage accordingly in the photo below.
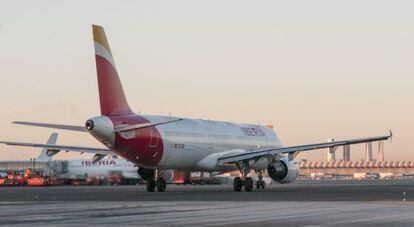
(189, 141)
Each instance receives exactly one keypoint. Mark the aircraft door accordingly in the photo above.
(153, 138)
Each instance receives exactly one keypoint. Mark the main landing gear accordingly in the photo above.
(154, 179)
(160, 184)
(245, 181)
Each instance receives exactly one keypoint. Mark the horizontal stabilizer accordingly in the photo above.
(56, 126)
(126, 127)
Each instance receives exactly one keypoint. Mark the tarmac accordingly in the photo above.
(304, 203)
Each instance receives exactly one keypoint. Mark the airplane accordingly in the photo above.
(157, 143)
(87, 167)
(102, 168)
(44, 156)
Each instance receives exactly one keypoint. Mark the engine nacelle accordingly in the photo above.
(283, 171)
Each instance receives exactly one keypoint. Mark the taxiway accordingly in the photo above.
(302, 203)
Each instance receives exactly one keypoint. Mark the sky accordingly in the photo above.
(313, 69)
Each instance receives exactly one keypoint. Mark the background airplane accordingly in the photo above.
(103, 168)
(157, 143)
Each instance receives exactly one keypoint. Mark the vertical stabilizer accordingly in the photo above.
(111, 94)
(43, 157)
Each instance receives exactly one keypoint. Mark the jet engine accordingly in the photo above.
(283, 171)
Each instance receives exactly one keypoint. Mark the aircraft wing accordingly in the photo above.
(103, 151)
(293, 151)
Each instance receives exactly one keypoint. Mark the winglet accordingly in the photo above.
(391, 136)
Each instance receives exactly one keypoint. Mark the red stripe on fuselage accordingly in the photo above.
(145, 149)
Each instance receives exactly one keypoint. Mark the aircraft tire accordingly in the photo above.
(161, 184)
(248, 184)
(150, 185)
(237, 184)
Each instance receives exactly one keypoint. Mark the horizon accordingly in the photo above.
(313, 72)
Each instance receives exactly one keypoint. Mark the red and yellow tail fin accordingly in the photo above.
(111, 94)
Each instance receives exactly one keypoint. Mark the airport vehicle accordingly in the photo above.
(28, 176)
(13, 179)
(156, 143)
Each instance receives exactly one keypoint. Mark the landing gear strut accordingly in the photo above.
(154, 179)
(245, 181)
